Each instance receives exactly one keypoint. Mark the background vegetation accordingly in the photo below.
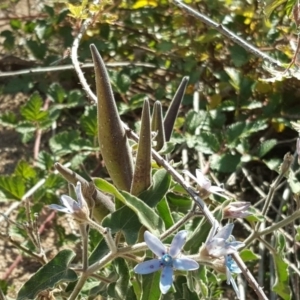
(234, 121)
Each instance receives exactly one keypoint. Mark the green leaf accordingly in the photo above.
(55, 271)
(32, 110)
(145, 214)
(226, 163)
(123, 82)
(207, 143)
(9, 41)
(44, 161)
(8, 119)
(13, 185)
(25, 170)
(37, 49)
(160, 186)
(125, 220)
(150, 286)
(167, 148)
(197, 237)
(248, 255)
(122, 284)
(57, 93)
(88, 121)
(100, 251)
(179, 202)
(239, 55)
(265, 147)
(281, 285)
(68, 142)
(233, 133)
(165, 213)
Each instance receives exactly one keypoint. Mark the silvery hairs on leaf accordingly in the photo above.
(79, 209)
(167, 261)
(220, 244)
(204, 183)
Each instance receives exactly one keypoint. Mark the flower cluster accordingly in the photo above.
(167, 261)
(221, 246)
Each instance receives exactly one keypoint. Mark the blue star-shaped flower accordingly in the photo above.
(69, 206)
(167, 260)
(220, 244)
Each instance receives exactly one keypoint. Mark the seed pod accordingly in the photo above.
(112, 137)
(158, 126)
(142, 171)
(172, 112)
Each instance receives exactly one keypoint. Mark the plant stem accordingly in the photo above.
(226, 32)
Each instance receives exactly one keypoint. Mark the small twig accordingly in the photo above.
(229, 34)
(40, 70)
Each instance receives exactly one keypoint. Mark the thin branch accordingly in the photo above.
(39, 70)
(229, 34)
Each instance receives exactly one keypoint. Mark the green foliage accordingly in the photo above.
(240, 122)
(54, 272)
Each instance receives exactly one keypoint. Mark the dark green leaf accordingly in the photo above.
(165, 213)
(160, 186)
(88, 121)
(37, 49)
(8, 119)
(239, 55)
(145, 214)
(226, 163)
(55, 271)
(150, 286)
(125, 220)
(266, 146)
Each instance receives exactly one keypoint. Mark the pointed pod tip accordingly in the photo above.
(185, 79)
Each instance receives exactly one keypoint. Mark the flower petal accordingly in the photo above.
(60, 208)
(219, 247)
(69, 203)
(185, 264)
(202, 180)
(177, 243)
(166, 279)
(214, 189)
(225, 232)
(148, 266)
(154, 244)
(235, 287)
(79, 194)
